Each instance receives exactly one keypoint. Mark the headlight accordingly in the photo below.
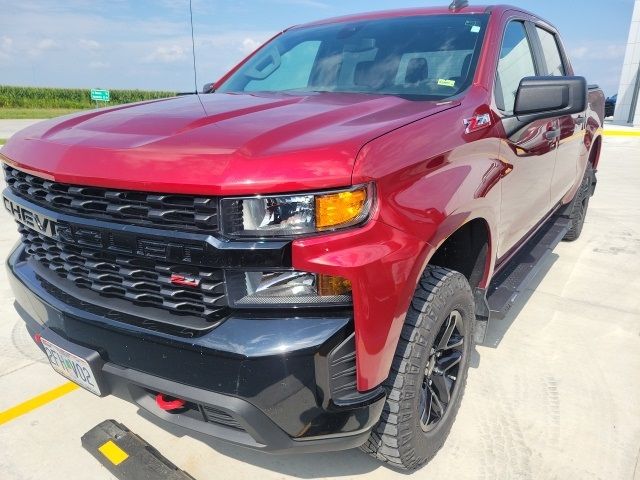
(286, 288)
(291, 215)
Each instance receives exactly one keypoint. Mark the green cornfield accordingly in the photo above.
(70, 98)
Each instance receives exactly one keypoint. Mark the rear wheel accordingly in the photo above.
(579, 206)
(429, 372)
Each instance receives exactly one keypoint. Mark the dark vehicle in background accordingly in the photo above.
(610, 105)
(303, 259)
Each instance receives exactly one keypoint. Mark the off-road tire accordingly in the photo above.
(579, 206)
(398, 438)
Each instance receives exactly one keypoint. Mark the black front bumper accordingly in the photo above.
(274, 383)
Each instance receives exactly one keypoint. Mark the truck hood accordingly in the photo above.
(215, 144)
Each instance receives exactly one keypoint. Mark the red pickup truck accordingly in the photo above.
(302, 257)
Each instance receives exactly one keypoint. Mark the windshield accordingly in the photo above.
(427, 56)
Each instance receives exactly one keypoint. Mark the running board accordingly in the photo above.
(513, 279)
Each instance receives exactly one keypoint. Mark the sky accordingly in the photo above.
(146, 44)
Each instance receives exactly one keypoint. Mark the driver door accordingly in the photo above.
(529, 154)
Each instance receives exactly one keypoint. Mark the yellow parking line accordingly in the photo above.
(36, 402)
(622, 133)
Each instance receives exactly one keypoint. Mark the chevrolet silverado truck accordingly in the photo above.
(302, 257)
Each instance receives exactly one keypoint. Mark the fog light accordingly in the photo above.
(286, 289)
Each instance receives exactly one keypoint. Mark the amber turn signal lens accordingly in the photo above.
(336, 209)
(328, 285)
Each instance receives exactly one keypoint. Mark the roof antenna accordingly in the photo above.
(193, 50)
(458, 5)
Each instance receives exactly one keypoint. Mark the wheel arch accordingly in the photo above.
(467, 250)
(594, 153)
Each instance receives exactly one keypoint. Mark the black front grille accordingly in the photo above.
(175, 212)
(91, 307)
(144, 282)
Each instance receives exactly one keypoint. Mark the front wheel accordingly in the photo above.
(429, 372)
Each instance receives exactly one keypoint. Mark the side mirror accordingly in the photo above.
(547, 97)
(208, 88)
(544, 97)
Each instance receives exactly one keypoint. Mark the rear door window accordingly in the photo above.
(551, 53)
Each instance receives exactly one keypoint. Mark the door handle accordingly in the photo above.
(552, 134)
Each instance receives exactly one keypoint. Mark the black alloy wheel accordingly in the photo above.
(441, 373)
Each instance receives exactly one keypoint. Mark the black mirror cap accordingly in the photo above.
(208, 88)
(546, 97)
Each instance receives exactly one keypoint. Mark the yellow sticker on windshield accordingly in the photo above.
(446, 83)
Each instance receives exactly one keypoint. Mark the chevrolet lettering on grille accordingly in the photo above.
(31, 219)
(110, 240)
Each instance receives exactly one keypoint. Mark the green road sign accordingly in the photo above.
(100, 95)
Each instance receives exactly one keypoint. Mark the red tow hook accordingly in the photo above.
(168, 403)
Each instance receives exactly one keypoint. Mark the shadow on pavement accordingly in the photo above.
(313, 465)
(498, 328)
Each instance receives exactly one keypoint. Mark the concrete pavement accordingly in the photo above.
(555, 395)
